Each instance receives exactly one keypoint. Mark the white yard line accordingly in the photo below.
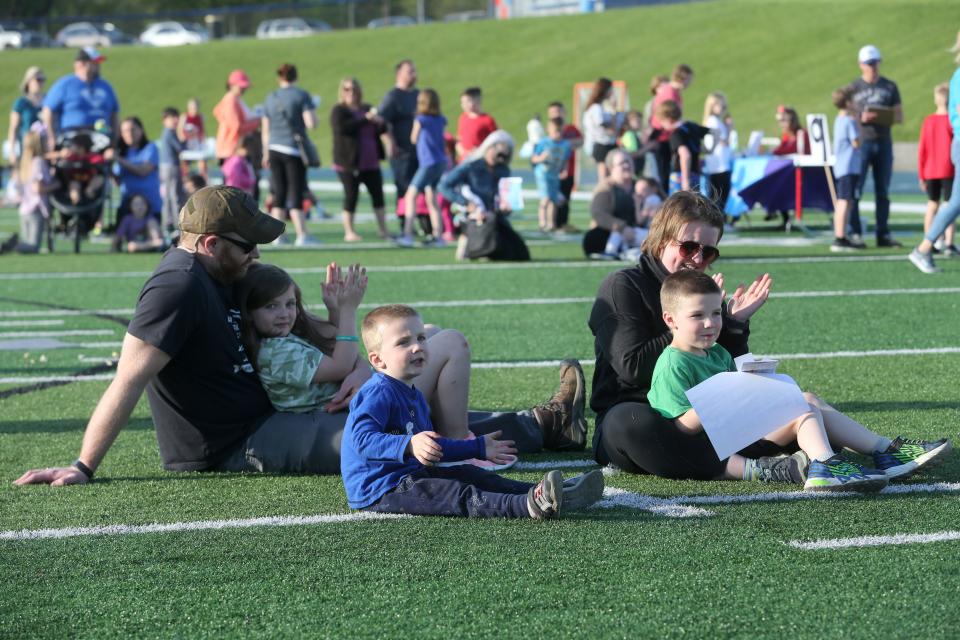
(586, 361)
(876, 541)
(56, 334)
(201, 525)
(486, 266)
(673, 507)
(511, 302)
(679, 506)
(30, 323)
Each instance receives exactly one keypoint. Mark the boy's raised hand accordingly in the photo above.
(424, 448)
(499, 451)
(746, 301)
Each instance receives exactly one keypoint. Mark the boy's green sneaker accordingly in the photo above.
(839, 474)
(904, 456)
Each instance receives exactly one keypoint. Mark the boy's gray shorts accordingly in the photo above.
(292, 443)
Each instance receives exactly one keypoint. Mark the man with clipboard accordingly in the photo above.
(878, 100)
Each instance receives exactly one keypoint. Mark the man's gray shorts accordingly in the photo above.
(292, 443)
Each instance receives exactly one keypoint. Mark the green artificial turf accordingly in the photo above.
(761, 53)
(612, 573)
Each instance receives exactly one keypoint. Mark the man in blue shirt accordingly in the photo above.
(81, 99)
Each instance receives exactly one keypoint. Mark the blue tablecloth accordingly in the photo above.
(770, 181)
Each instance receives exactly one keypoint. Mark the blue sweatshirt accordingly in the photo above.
(384, 416)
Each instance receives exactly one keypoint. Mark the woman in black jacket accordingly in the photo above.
(629, 336)
(357, 152)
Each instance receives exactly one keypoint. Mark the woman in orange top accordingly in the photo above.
(234, 119)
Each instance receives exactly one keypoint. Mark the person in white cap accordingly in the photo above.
(878, 101)
(81, 99)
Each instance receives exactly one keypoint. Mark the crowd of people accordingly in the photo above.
(240, 377)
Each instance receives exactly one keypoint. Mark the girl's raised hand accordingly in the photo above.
(331, 287)
(353, 286)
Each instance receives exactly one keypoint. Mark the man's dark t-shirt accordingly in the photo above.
(689, 135)
(398, 109)
(882, 93)
(208, 398)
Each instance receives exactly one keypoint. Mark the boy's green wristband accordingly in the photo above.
(348, 339)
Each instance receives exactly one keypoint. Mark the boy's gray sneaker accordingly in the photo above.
(923, 261)
(544, 500)
(579, 492)
(790, 469)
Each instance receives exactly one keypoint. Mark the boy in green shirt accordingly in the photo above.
(692, 308)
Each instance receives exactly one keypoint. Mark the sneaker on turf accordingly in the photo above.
(888, 242)
(839, 474)
(790, 469)
(951, 251)
(579, 492)
(904, 456)
(544, 500)
(306, 240)
(841, 245)
(561, 418)
(923, 261)
(281, 240)
(405, 241)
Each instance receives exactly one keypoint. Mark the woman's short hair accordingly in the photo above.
(678, 210)
(287, 72)
(668, 110)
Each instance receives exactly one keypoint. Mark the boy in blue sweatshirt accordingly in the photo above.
(393, 462)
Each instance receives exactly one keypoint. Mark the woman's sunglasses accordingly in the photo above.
(689, 249)
(248, 247)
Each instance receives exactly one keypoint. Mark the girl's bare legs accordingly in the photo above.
(436, 224)
(409, 211)
(840, 218)
(845, 432)
(349, 232)
(928, 215)
(381, 216)
(445, 382)
(299, 223)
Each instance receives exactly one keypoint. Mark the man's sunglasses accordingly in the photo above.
(689, 249)
(243, 245)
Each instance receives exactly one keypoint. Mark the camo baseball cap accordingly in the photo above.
(221, 209)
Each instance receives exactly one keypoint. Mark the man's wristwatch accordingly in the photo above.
(82, 468)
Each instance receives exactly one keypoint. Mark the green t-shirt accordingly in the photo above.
(678, 371)
(287, 367)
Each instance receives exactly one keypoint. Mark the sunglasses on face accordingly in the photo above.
(690, 249)
(243, 245)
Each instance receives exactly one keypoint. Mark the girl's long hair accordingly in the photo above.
(32, 147)
(600, 89)
(263, 283)
(710, 102)
(428, 103)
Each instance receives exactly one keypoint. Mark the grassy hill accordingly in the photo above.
(760, 52)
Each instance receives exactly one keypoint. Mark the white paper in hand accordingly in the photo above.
(737, 409)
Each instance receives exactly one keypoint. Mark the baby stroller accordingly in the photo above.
(83, 167)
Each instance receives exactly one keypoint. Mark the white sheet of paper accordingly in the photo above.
(737, 409)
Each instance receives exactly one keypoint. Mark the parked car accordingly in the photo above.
(464, 16)
(88, 34)
(290, 28)
(391, 21)
(12, 37)
(173, 34)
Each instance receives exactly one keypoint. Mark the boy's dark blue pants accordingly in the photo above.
(463, 491)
